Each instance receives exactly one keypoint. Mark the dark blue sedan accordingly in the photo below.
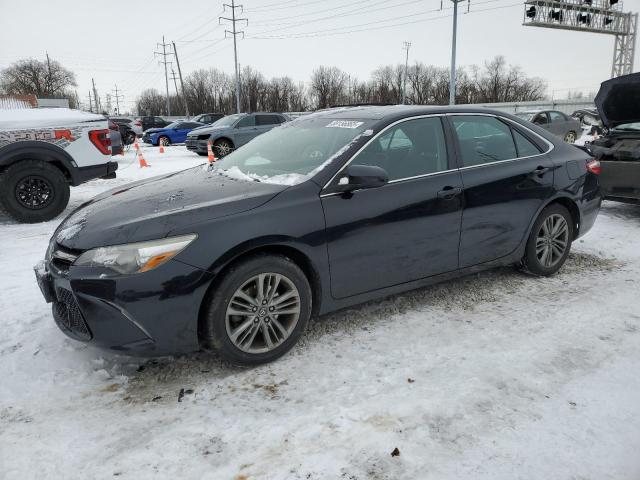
(175, 132)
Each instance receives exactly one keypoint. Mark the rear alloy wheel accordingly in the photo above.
(258, 311)
(164, 141)
(549, 242)
(33, 191)
(570, 137)
(223, 147)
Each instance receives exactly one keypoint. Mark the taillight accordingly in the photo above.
(138, 123)
(101, 140)
(594, 167)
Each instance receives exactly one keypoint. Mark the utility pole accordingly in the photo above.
(90, 103)
(184, 97)
(406, 46)
(175, 84)
(166, 74)
(95, 96)
(452, 78)
(235, 33)
(117, 96)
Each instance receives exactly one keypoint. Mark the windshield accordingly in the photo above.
(293, 152)
(628, 126)
(173, 125)
(227, 121)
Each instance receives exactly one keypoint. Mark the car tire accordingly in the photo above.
(570, 137)
(544, 253)
(23, 186)
(164, 141)
(131, 137)
(242, 339)
(223, 147)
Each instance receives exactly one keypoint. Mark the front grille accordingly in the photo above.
(62, 257)
(68, 316)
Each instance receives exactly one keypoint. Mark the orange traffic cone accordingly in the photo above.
(210, 155)
(143, 162)
(135, 144)
(161, 149)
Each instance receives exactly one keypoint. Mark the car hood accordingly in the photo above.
(618, 100)
(150, 209)
(154, 130)
(207, 130)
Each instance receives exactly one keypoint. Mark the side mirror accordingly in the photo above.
(358, 177)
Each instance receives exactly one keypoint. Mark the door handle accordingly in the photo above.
(540, 170)
(449, 193)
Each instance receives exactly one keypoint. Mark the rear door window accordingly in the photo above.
(248, 121)
(267, 120)
(483, 139)
(557, 117)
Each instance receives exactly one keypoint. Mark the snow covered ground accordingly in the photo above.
(494, 376)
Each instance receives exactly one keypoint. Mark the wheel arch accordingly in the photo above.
(266, 247)
(33, 150)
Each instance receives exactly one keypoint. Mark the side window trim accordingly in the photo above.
(509, 123)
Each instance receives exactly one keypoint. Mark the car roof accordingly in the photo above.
(392, 112)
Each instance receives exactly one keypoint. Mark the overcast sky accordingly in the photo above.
(114, 44)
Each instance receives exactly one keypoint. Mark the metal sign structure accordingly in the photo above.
(595, 16)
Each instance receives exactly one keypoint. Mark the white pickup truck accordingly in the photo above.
(42, 152)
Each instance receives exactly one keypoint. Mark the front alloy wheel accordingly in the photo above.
(164, 141)
(262, 313)
(257, 311)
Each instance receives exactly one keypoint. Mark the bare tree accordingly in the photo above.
(31, 76)
(327, 86)
(151, 102)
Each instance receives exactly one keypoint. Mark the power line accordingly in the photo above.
(334, 31)
(235, 33)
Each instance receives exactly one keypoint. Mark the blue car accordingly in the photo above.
(175, 132)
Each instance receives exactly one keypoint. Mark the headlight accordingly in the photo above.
(135, 257)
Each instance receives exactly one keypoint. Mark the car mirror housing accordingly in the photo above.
(359, 177)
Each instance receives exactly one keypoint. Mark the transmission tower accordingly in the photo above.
(235, 33)
(117, 96)
(595, 16)
(166, 73)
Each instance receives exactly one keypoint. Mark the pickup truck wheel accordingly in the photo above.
(223, 147)
(33, 191)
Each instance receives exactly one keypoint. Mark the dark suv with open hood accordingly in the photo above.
(618, 150)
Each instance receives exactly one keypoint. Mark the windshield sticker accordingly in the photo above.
(344, 124)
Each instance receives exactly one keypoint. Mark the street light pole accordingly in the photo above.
(452, 78)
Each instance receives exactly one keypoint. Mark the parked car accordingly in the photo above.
(128, 129)
(42, 152)
(555, 122)
(207, 118)
(340, 207)
(618, 149)
(175, 132)
(153, 122)
(232, 132)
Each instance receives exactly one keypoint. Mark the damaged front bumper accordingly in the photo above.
(151, 313)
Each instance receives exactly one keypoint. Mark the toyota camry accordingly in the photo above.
(327, 211)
